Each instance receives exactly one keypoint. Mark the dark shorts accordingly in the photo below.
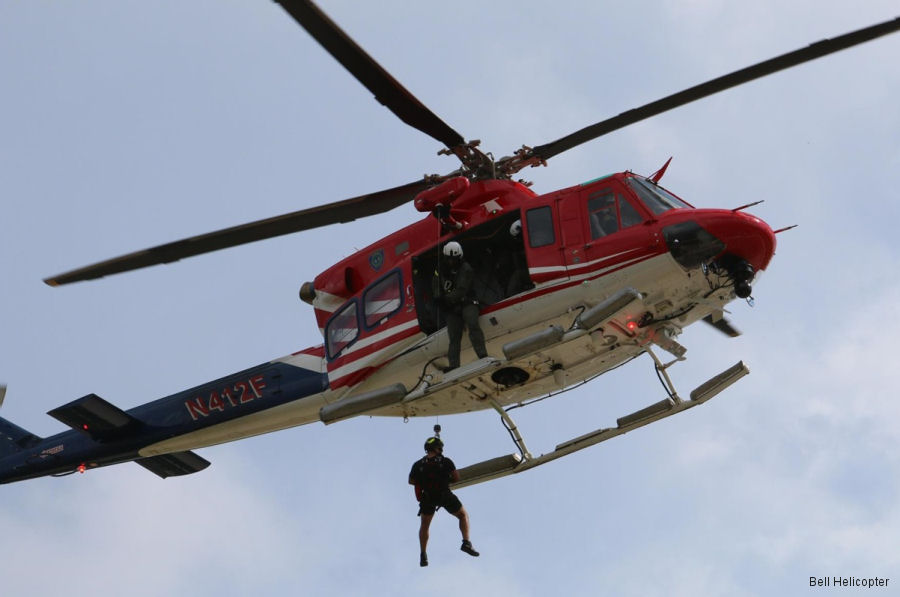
(447, 500)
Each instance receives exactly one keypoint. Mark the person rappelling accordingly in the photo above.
(431, 476)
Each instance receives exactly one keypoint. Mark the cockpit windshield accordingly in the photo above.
(656, 198)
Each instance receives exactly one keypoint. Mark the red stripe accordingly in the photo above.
(357, 355)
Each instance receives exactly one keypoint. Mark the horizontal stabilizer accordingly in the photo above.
(95, 417)
(174, 464)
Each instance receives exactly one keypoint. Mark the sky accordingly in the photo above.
(127, 124)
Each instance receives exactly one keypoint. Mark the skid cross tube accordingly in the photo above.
(670, 387)
(513, 430)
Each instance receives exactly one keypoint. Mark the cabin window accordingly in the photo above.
(382, 299)
(342, 329)
(540, 227)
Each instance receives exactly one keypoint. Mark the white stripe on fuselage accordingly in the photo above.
(379, 356)
(563, 268)
(375, 357)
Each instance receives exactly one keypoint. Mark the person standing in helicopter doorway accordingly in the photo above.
(431, 477)
(453, 290)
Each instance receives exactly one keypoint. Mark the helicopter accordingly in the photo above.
(593, 297)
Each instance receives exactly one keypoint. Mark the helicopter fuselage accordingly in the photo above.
(569, 285)
(578, 247)
(552, 310)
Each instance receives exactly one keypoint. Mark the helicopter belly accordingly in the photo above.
(666, 291)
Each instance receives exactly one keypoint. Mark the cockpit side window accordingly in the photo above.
(629, 215)
(608, 212)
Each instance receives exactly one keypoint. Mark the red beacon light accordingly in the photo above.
(81, 468)
(631, 325)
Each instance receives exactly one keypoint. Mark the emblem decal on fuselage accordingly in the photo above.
(376, 259)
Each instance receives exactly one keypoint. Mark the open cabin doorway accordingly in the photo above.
(496, 255)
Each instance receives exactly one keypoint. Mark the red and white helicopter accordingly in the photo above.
(600, 273)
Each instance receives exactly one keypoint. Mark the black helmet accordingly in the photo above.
(434, 444)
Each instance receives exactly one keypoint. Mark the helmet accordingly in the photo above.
(453, 249)
(516, 228)
(433, 444)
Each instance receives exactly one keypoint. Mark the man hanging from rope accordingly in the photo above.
(431, 477)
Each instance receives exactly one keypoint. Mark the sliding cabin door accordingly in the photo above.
(544, 245)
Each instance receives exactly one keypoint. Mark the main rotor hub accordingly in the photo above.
(477, 165)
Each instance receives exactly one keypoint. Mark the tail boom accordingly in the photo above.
(101, 434)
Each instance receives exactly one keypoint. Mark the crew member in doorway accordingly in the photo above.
(431, 476)
(517, 267)
(452, 289)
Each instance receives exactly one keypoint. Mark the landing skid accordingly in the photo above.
(522, 460)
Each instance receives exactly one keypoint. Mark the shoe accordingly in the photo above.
(423, 559)
(467, 547)
(445, 368)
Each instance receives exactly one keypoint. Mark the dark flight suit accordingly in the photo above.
(431, 476)
(452, 289)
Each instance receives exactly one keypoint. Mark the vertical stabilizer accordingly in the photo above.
(12, 437)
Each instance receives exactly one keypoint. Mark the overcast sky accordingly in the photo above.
(127, 124)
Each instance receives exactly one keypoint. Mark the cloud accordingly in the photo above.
(123, 530)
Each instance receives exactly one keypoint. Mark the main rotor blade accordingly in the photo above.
(386, 88)
(305, 219)
(738, 77)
